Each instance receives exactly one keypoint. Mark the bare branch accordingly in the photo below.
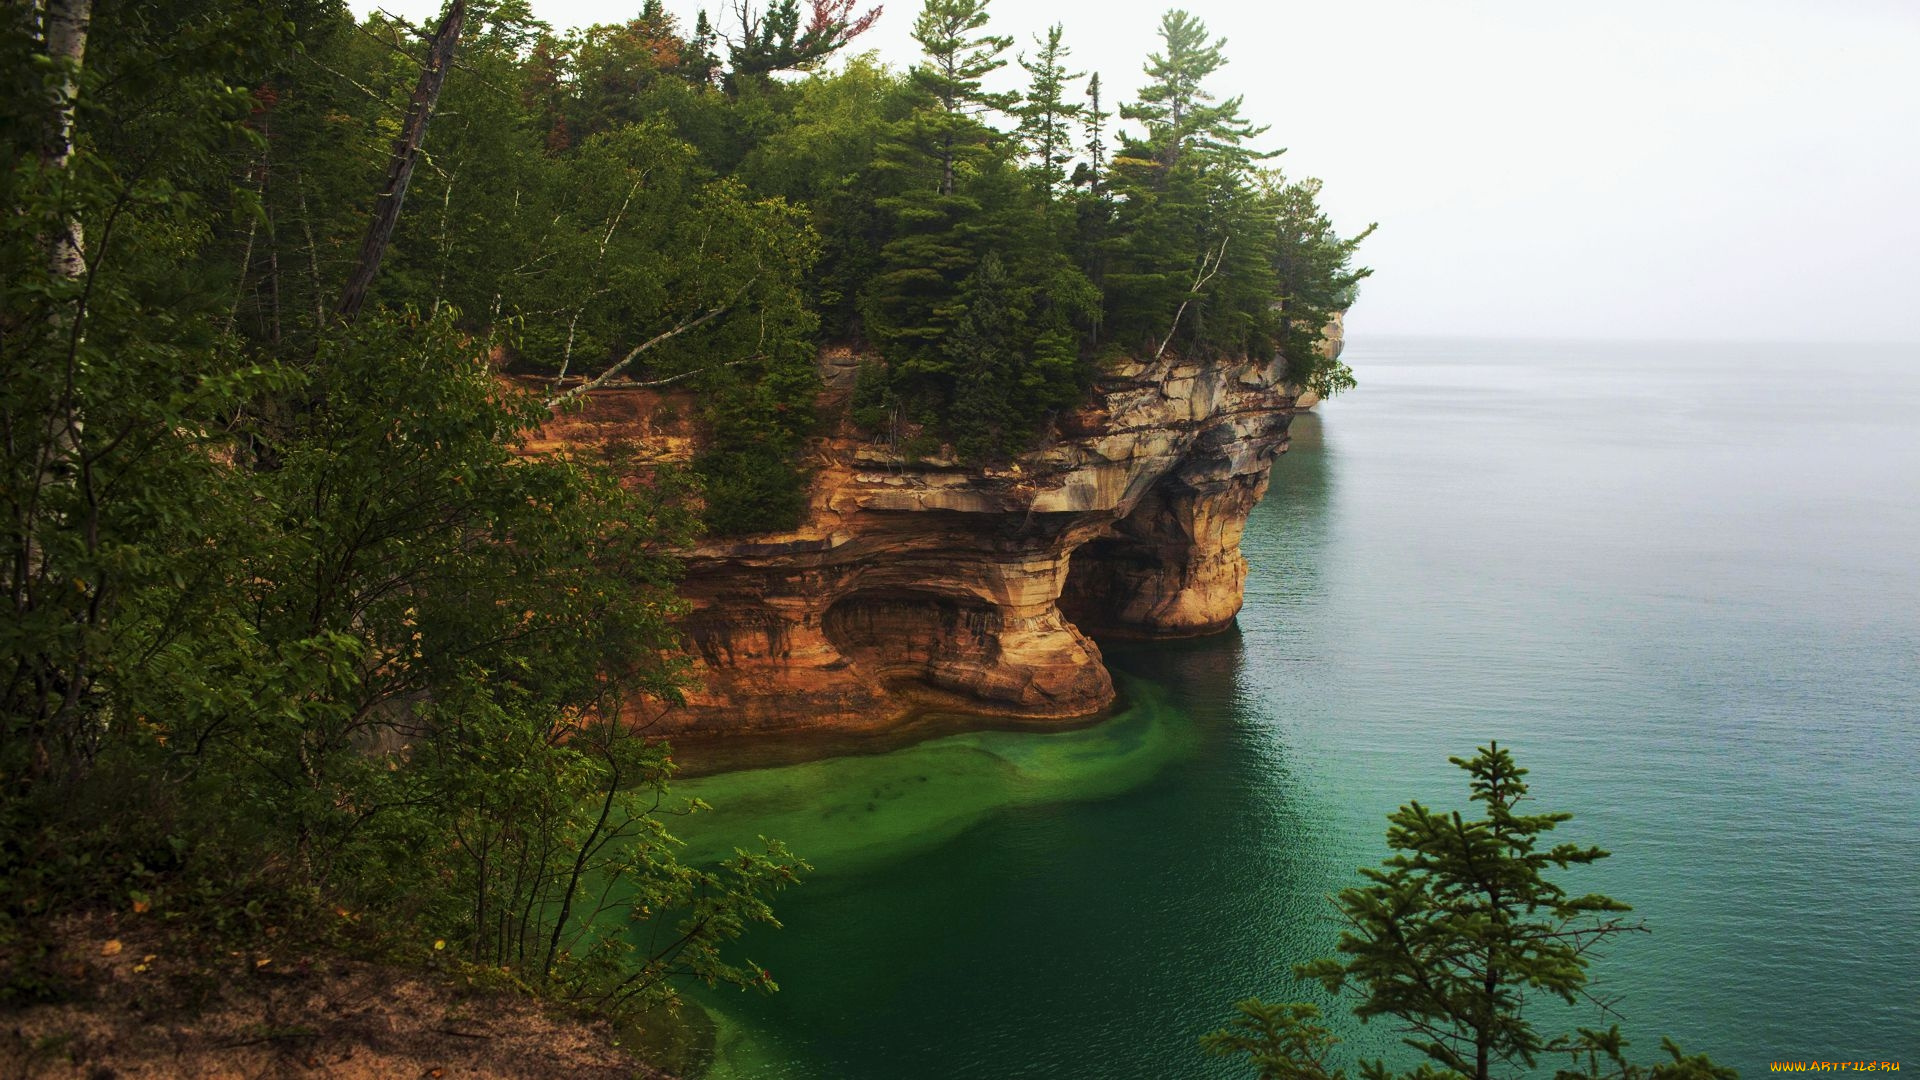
(566, 354)
(1210, 264)
(350, 80)
(628, 359)
(650, 384)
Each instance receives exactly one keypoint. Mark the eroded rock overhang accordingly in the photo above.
(923, 584)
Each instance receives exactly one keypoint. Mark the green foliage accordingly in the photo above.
(610, 71)
(1184, 249)
(1046, 116)
(957, 57)
(298, 638)
(1601, 1055)
(981, 351)
(747, 467)
(1313, 280)
(1011, 369)
(872, 404)
(1180, 114)
(1452, 936)
(1285, 1040)
(929, 162)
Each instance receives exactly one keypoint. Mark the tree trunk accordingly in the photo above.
(566, 354)
(273, 235)
(66, 30)
(406, 154)
(66, 25)
(313, 256)
(56, 685)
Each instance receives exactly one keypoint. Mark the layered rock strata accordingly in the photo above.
(921, 584)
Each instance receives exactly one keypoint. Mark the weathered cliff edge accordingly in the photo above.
(921, 584)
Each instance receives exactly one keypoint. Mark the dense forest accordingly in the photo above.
(620, 202)
(296, 641)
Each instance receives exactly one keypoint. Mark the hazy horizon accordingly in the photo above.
(1713, 170)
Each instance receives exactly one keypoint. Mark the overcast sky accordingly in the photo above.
(1742, 169)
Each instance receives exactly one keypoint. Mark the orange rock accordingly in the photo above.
(921, 583)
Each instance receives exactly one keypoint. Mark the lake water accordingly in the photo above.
(1680, 581)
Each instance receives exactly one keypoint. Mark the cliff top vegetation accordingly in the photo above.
(705, 208)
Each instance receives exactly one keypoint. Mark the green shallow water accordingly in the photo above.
(1682, 582)
(857, 813)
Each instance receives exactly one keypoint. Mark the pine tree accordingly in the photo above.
(982, 353)
(1453, 936)
(700, 63)
(1313, 277)
(911, 304)
(1091, 243)
(1180, 115)
(1093, 120)
(958, 57)
(1046, 116)
(1182, 226)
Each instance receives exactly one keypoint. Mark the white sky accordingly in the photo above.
(1744, 169)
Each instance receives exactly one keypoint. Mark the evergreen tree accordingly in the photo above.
(957, 58)
(699, 63)
(1093, 122)
(911, 304)
(982, 351)
(1090, 245)
(1313, 278)
(1179, 113)
(1185, 231)
(1452, 936)
(1046, 117)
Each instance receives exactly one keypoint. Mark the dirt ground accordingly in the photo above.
(135, 1012)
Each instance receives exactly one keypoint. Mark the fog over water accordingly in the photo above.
(1739, 169)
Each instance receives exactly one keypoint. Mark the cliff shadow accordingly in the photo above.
(907, 637)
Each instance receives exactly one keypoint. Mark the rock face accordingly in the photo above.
(922, 584)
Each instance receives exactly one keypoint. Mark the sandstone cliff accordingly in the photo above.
(921, 584)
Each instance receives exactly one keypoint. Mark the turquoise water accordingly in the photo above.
(1682, 582)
